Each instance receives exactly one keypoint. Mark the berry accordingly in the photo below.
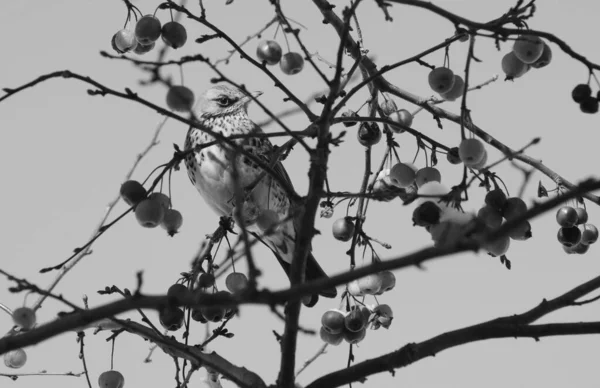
(269, 51)
(498, 247)
(589, 234)
(141, 49)
(180, 98)
(514, 208)
(267, 219)
(582, 215)
(349, 113)
(178, 291)
(331, 338)
(513, 67)
(355, 337)
(24, 317)
(580, 92)
(383, 315)
(111, 379)
(343, 229)
(490, 216)
(370, 284)
(174, 34)
(149, 213)
(291, 63)
(125, 41)
(441, 79)
(427, 214)
(403, 117)
(236, 282)
(545, 59)
(213, 313)
(569, 236)
(161, 198)
(444, 232)
(172, 221)
(333, 321)
(427, 174)
(589, 105)
(147, 29)
(197, 316)
(471, 152)
(528, 48)
(354, 321)
(132, 192)
(579, 248)
(206, 280)
(310, 300)
(521, 232)
(481, 164)
(457, 89)
(403, 175)
(368, 134)
(567, 216)
(15, 358)
(388, 281)
(452, 156)
(496, 199)
(388, 107)
(354, 288)
(171, 318)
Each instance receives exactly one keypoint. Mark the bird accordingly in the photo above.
(223, 108)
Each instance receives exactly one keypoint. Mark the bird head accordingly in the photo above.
(222, 100)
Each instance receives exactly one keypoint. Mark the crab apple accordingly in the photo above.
(333, 321)
(403, 174)
(355, 337)
(441, 79)
(15, 358)
(197, 315)
(142, 49)
(528, 48)
(354, 288)
(567, 216)
(149, 213)
(236, 282)
(384, 315)
(471, 151)
(354, 321)
(178, 291)
(174, 34)
(343, 229)
(388, 107)
(349, 113)
(111, 379)
(206, 280)
(568, 250)
(514, 208)
(490, 216)
(388, 282)
(171, 318)
(403, 117)
(172, 221)
(147, 29)
(310, 300)
(582, 215)
(161, 198)
(497, 247)
(213, 313)
(267, 219)
(589, 105)
(291, 63)
(427, 214)
(444, 232)
(545, 59)
(457, 89)
(269, 51)
(24, 317)
(580, 248)
(453, 156)
(580, 92)
(427, 174)
(180, 98)
(512, 66)
(370, 284)
(125, 41)
(569, 236)
(481, 164)
(331, 338)
(132, 192)
(496, 199)
(368, 134)
(521, 231)
(589, 234)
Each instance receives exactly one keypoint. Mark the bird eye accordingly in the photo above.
(224, 101)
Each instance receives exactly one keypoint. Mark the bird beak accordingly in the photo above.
(256, 94)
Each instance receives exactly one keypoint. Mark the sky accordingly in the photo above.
(64, 155)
